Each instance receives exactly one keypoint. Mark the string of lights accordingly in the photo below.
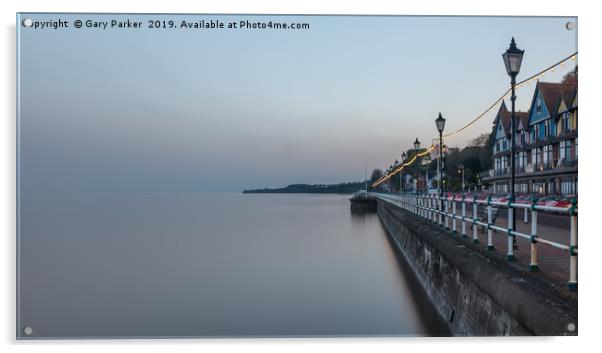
(520, 84)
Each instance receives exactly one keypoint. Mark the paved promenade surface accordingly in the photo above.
(553, 262)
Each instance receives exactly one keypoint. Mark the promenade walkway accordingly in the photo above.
(553, 262)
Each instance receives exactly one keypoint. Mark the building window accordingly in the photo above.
(538, 104)
(533, 159)
(546, 131)
(535, 132)
(566, 121)
(568, 187)
(547, 156)
(523, 137)
(521, 187)
(562, 150)
(565, 150)
(522, 160)
(538, 159)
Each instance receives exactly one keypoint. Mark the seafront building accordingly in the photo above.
(546, 143)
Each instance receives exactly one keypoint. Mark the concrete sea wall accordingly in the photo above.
(473, 294)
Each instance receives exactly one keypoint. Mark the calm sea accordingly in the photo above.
(210, 265)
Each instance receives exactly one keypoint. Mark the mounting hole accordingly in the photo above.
(570, 26)
(28, 331)
(27, 22)
(571, 327)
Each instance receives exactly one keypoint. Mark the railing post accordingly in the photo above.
(489, 222)
(526, 220)
(418, 209)
(440, 197)
(430, 204)
(510, 253)
(445, 214)
(573, 248)
(475, 227)
(414, 201)
(533, 266)
(463, 216)
(434, 208)
(454, 229)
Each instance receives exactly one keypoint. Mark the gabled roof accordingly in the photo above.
(570, 92)
(503, 116)
(506, 117)
(552, 93)
(523, 117)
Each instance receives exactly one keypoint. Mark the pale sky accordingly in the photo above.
(140, 111)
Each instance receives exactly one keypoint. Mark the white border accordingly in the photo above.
(589, 61)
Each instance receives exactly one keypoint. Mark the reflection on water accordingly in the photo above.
(209, 265)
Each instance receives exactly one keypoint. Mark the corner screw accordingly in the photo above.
(28, 331)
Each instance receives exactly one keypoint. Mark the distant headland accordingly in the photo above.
(342, 188)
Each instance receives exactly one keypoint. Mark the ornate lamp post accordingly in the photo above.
(390, 179)
(395, 165)
(461, 170)
(403, 160)
(440, 122)
(416, 148)
(513, 58)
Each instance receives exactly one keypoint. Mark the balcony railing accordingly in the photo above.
(501, 171)
(531, 168)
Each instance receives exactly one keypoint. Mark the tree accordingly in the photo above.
(570, 77)
(376, 174)
(480, 141)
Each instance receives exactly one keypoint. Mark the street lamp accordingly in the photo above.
(513, 58)
(389, 172)
(403, 160)
(440, 122)
(416, 148)
(396, 165)
(461, 170)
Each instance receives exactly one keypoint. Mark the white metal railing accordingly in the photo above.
(437, 210)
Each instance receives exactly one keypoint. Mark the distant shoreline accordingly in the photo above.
(342, 188)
